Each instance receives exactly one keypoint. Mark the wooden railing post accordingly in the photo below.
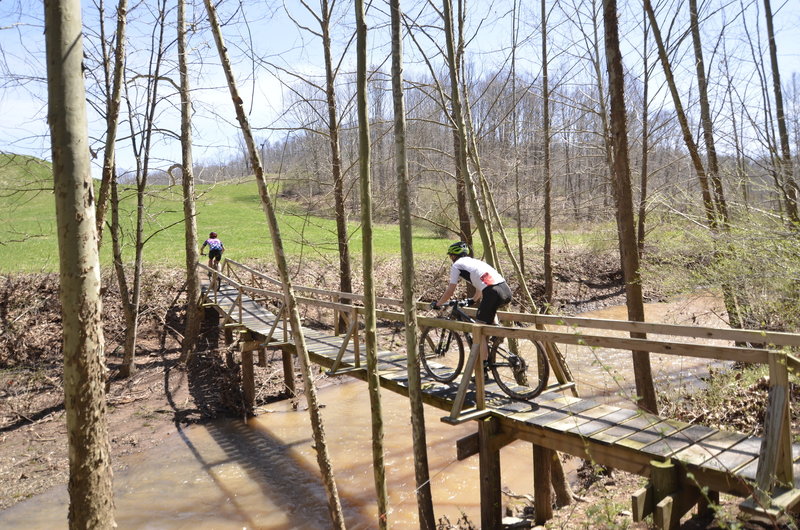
(240, 300)
(285, 315)
(476, 355)
(775, 457)
(356, 342)
(336, 324)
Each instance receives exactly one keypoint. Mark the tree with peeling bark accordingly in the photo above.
(629, 255)
(427, 518)
(323, 460)
(90, 487)
(370, 321)
(193, 311)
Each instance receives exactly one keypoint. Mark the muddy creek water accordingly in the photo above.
(263, 474)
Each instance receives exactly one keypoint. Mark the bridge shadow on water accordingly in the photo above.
(286, 486)
(261, 479)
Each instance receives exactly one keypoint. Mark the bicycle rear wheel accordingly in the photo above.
(522, 375)
(441, 352)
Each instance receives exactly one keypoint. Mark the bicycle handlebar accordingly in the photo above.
(460, 303)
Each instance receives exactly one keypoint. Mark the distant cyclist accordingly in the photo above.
(215, 249)
(491, 289)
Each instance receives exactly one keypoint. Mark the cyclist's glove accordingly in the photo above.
(434, 305)
(470, 302)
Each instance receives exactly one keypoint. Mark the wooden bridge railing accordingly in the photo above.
(775, 461)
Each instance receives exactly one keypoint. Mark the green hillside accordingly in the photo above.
(232, 209)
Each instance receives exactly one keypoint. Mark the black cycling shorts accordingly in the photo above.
(494, 297)
(215, 253)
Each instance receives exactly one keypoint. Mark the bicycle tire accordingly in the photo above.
(523, 375)
(441, 352)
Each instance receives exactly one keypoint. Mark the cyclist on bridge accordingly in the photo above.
(215, 249)
(491, 289)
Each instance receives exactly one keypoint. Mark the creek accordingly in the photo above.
(263, 473)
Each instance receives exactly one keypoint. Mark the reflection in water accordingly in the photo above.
(264, 474)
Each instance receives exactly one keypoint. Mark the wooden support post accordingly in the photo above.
(542, 494)
(262, 357)
(489, 466)
(248, 381)
(228, 341)
(664, 476)
(667, 497)
(288, 370)
(708, 502)
(469, 367)
(775, 457)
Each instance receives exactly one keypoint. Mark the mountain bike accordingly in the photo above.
(213, 279)
(521, 375)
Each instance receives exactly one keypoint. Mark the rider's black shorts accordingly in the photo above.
(494, 297)
(215, 253)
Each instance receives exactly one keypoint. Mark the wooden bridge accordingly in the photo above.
(688, 465)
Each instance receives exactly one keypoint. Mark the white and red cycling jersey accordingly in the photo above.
(478, 273)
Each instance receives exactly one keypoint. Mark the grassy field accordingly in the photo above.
(232, 209)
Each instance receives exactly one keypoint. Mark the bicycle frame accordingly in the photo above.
(509, 368)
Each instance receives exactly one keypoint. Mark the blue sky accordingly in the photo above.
(22, 91)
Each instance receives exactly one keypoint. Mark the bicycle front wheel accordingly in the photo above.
(441, 352)
(521, 375)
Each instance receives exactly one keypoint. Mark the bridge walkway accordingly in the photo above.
(693, 458)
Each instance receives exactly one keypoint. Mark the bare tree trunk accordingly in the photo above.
(708, 203)
(642, 217)
(741, 174)
(193, 313)
(132, 304)
(622, 194)
(601, 99)
(427, 519)
(548, 214)
(112, 116)
(462, 200)
(323, 460)
(705, 116)
(461, 129)
(515, 132)
(485, 223)
(90, 489)
(345, 272)
(789, 186)
(370, 324)
(462, 171)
